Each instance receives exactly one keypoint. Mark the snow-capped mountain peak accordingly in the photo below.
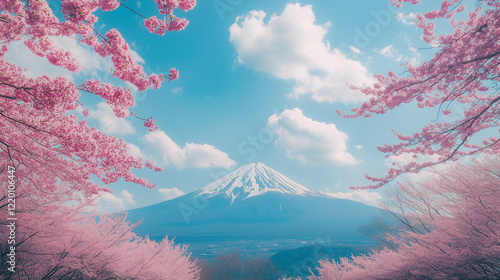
(254, 179)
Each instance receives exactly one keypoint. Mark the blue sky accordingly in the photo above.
(259, 81)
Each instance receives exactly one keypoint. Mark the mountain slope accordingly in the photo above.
(253, 202)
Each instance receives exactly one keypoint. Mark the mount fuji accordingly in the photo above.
(254, 202)
(252, 180)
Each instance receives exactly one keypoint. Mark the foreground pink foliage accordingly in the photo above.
(55, 154)
(451, 230)
(62, 243)
(464, 70)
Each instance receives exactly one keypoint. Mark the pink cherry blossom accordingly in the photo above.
(174, 74)
(448, 228)
(62, 164)
(463, 71)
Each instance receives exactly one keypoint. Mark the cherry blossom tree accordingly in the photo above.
(55, 154)
(464, 70)
(55, 242)
(35, 123)
(450, 229)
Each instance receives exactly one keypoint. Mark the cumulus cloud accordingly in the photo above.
(291, 46)
(138, 59)
(133, 150)
(408, 19)
(91, 63)
(363, 196)
(391, 52)
(108, 202)
(170, 193)
(416, 55)
(127, 197)
(355, 50)
(109, 123)
(309, 141)
(167, 152)
(89, 60)
(36, 66)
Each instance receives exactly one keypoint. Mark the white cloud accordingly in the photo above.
(355, 50)
(91, 63)
(85, 55)
(138, 59)
(416, 55)
(133, 150)
(127, 197)
(291, 46)
(109, 123)
(358, 147)
(363, 196)
(309, 141)
(170, 193)
(391, 52)
(36, 66)
(108, 202)
(167, 152)
(177, 90)
(408, 19)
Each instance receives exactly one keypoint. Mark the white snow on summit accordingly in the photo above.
(254, 179)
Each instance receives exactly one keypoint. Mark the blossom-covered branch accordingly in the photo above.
(464, 70)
